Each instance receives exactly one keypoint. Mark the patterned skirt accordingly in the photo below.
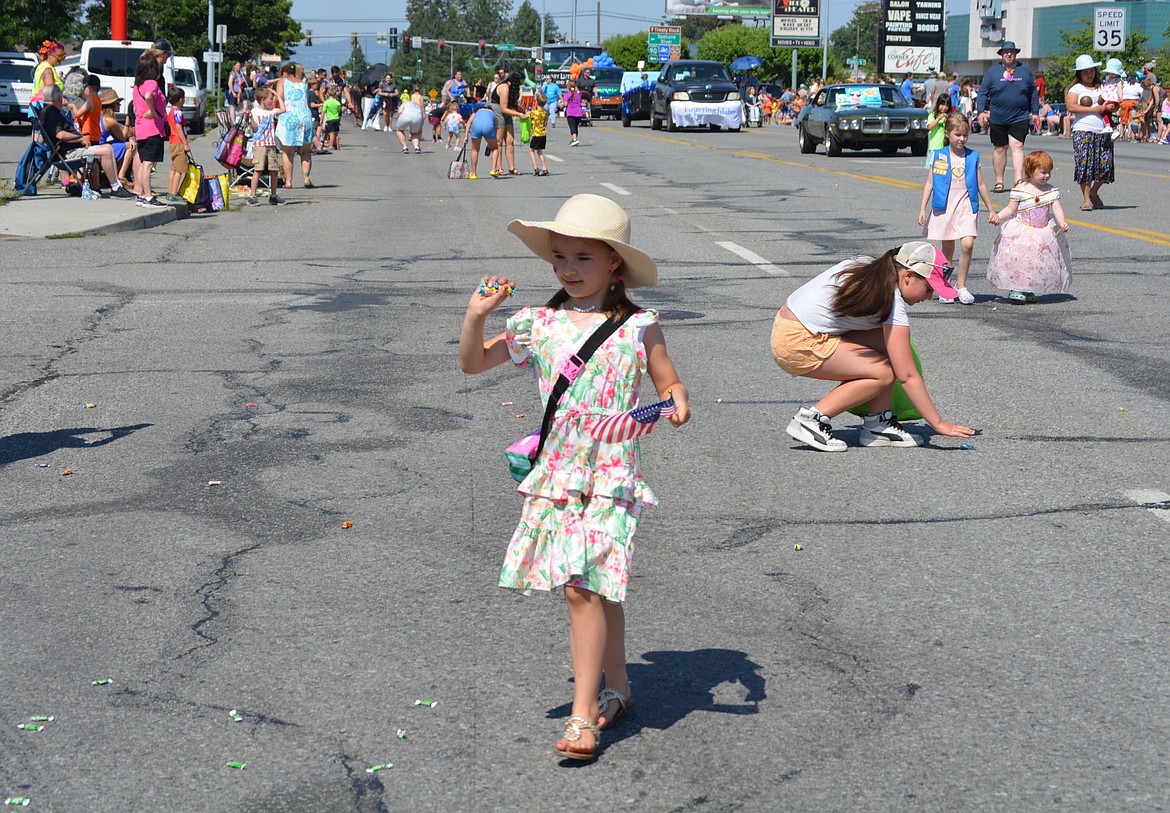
(1093, 153)
(582, 541)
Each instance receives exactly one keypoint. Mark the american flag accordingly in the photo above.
(632, 424)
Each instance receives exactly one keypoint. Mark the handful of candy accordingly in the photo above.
(490, 288)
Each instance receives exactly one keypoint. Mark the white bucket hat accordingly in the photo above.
(1084, 62)
(595, 218)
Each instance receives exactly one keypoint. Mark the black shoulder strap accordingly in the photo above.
(579, 359)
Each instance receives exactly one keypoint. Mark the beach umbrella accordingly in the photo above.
(745, 63)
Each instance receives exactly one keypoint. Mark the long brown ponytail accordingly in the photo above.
(867, 287)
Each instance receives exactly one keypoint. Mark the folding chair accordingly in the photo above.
(224, 122)
(40, 159)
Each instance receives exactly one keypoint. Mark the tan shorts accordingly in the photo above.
(266, 159)
(796, 350)
(179, 161)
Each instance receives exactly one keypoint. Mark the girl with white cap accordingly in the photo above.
(583, 497)
(849, 324)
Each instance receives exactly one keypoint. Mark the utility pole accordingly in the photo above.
(210, 42)
(597, 42)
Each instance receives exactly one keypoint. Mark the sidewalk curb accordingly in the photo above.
(41, 216)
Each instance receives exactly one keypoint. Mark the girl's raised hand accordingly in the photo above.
(490, 293)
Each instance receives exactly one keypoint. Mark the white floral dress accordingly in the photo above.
(583, 498)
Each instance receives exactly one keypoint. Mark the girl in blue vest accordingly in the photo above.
(954, 186)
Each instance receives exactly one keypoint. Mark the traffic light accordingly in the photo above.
(394, 38)
(482, 49)
(442, 47)
(406, 43)
(353, 40)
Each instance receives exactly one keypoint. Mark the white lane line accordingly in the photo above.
(615, 188)
(753, 258)
(1150, 497)
(552, 157)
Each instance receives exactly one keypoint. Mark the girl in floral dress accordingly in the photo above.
(1031, 254)
(583, 498)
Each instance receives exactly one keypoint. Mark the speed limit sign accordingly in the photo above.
(1109, 28)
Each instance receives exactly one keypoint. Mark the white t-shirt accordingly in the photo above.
(1132, 90)
(1087, 122)
(812, 304)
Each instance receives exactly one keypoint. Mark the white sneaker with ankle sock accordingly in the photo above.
(811, 427)
(883, 429)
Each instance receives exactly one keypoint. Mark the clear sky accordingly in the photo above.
(331, 22)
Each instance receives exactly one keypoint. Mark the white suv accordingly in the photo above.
(16, 84)
(195, 104)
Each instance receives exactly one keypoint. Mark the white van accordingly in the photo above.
(16, 84)
(195, 102)
(113, 61)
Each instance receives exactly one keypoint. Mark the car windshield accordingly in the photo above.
(186, 77)
(113, 61)
(607, 76)
(702, 73)
(13, 72)
(865, 96)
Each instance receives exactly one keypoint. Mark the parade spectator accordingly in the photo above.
(61, 132)
(478, 91)
(452, 122)
(150, 127)
(316, 103)
(967, 101)
(1131, 94)
(1092, 145)
(331, 110)
(410, 121)
(906, 88)
(388, 96)
(265, 158)
(294, 127)
(539, 139)
(586, 85)
(506, 106)
(1041, 84)
(119, 137)
(552, 92)
(482, 127)
(232, 92)
(454, 89)
(573, 111)
(177, 142)
(1009, 104)
(928, 85)
(88, 115)
(952, 191)
(850, 324)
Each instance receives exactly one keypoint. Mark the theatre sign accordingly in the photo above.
(912, 35)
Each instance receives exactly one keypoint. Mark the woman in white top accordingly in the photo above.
(1131, 93)
(1092, 144)
(849, 324)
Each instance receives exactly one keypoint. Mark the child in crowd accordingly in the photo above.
(936, 126)
(265, 155)
(1031, 255)
(1112, 89)
(768, 103)
(435, 117)
(539, 139)
(850, 324)
(574, 111)
(331, 110)
(452, 122)
(954, 186)
(177, 141)
(583, 497)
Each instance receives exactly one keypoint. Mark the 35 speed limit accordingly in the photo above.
(1109, 29)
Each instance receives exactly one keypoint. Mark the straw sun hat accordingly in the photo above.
(595, 218)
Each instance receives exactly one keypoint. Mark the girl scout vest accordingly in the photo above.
(940, 169)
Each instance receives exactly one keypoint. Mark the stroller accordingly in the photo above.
(234, 153)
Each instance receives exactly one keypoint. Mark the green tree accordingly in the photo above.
(727, 42)
(627, 49)
(525, 28)
(552, 31)
(25, 24)
(695, 28)
(1058, 67)
(357, 63)
(859, 36)
(254, 26)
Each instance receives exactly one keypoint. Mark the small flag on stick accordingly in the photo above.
(633, 424)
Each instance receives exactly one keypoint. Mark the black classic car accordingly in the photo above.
(861, 117)
(694, 92)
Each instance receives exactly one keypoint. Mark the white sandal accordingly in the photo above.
(572, 733)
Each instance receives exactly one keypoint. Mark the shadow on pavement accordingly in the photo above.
(26, 445)
(674, 684)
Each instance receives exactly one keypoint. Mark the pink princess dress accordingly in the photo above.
(1031, 254)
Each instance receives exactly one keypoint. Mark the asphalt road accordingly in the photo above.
(964, 629)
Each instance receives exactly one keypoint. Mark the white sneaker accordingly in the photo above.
(966, 297)
(884, 430)
(811, 427)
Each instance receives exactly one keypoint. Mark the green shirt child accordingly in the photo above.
(332, 109)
